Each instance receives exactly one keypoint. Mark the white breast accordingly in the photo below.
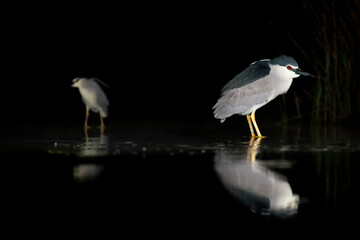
(89, 97)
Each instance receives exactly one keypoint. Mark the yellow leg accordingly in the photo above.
(255, 125)
(86, 119)
(102, 126)
(102, 131)
(86, 135)
(250, 125)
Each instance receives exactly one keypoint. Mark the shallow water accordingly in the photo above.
(150, 178)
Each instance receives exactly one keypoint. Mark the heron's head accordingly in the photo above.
(289, 66)
(76, 82)
(296, 71)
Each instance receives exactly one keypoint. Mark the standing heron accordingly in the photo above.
(254, 87)
(93, 97)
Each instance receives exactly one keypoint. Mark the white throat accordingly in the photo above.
(282, 78)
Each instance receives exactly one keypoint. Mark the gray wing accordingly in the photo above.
(255, 71)
(245, 99)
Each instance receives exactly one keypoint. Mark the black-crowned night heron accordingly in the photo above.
(254, 87)
(93, 97)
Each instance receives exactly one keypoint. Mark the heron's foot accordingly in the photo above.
(260, 136)
(254, 136)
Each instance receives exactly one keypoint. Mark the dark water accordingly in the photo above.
(157, 180)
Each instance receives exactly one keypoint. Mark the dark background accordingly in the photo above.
(166, 63)
(163, 62)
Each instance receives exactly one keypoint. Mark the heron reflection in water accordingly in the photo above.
(260, 189)
(95, 145)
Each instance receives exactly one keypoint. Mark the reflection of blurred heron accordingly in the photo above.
(87, 172)
(262, 190)
(95, 145)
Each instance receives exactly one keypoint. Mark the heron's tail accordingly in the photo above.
(220, 111)
(218, 115)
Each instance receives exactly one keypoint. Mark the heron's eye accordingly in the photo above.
(289, 67)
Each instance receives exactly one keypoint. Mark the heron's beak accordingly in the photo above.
(301, 72)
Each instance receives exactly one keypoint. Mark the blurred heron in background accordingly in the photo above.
(93, 97)
(254, 87)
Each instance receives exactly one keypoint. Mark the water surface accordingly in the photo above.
(151, 178)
